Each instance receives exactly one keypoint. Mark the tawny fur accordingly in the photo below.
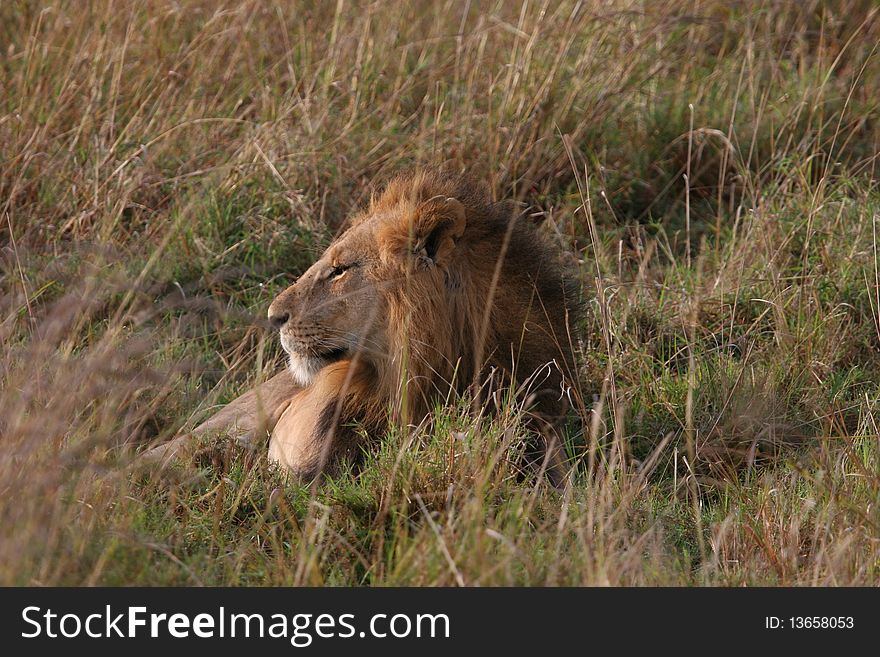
(433, 286)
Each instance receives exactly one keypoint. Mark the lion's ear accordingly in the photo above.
(437, 225)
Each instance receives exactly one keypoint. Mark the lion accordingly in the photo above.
(432, 289)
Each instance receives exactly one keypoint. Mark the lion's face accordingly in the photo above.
(332, 310)
(339, 307)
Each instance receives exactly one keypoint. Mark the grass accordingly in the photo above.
(167, 168)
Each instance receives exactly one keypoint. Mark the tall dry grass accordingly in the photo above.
(166, 168)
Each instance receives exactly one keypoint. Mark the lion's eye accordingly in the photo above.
(338, 271)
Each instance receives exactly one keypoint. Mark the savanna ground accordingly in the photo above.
(167, 167)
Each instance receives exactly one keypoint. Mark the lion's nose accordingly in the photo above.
(277, 320)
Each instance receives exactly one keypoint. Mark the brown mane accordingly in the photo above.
(503, 303)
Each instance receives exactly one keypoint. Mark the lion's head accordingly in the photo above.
(433, 282)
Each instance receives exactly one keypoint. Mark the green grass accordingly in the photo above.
(167, 168)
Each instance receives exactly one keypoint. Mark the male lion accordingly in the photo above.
(432, 288)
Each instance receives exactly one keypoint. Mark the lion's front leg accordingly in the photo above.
(308, 436)
(247, 419)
